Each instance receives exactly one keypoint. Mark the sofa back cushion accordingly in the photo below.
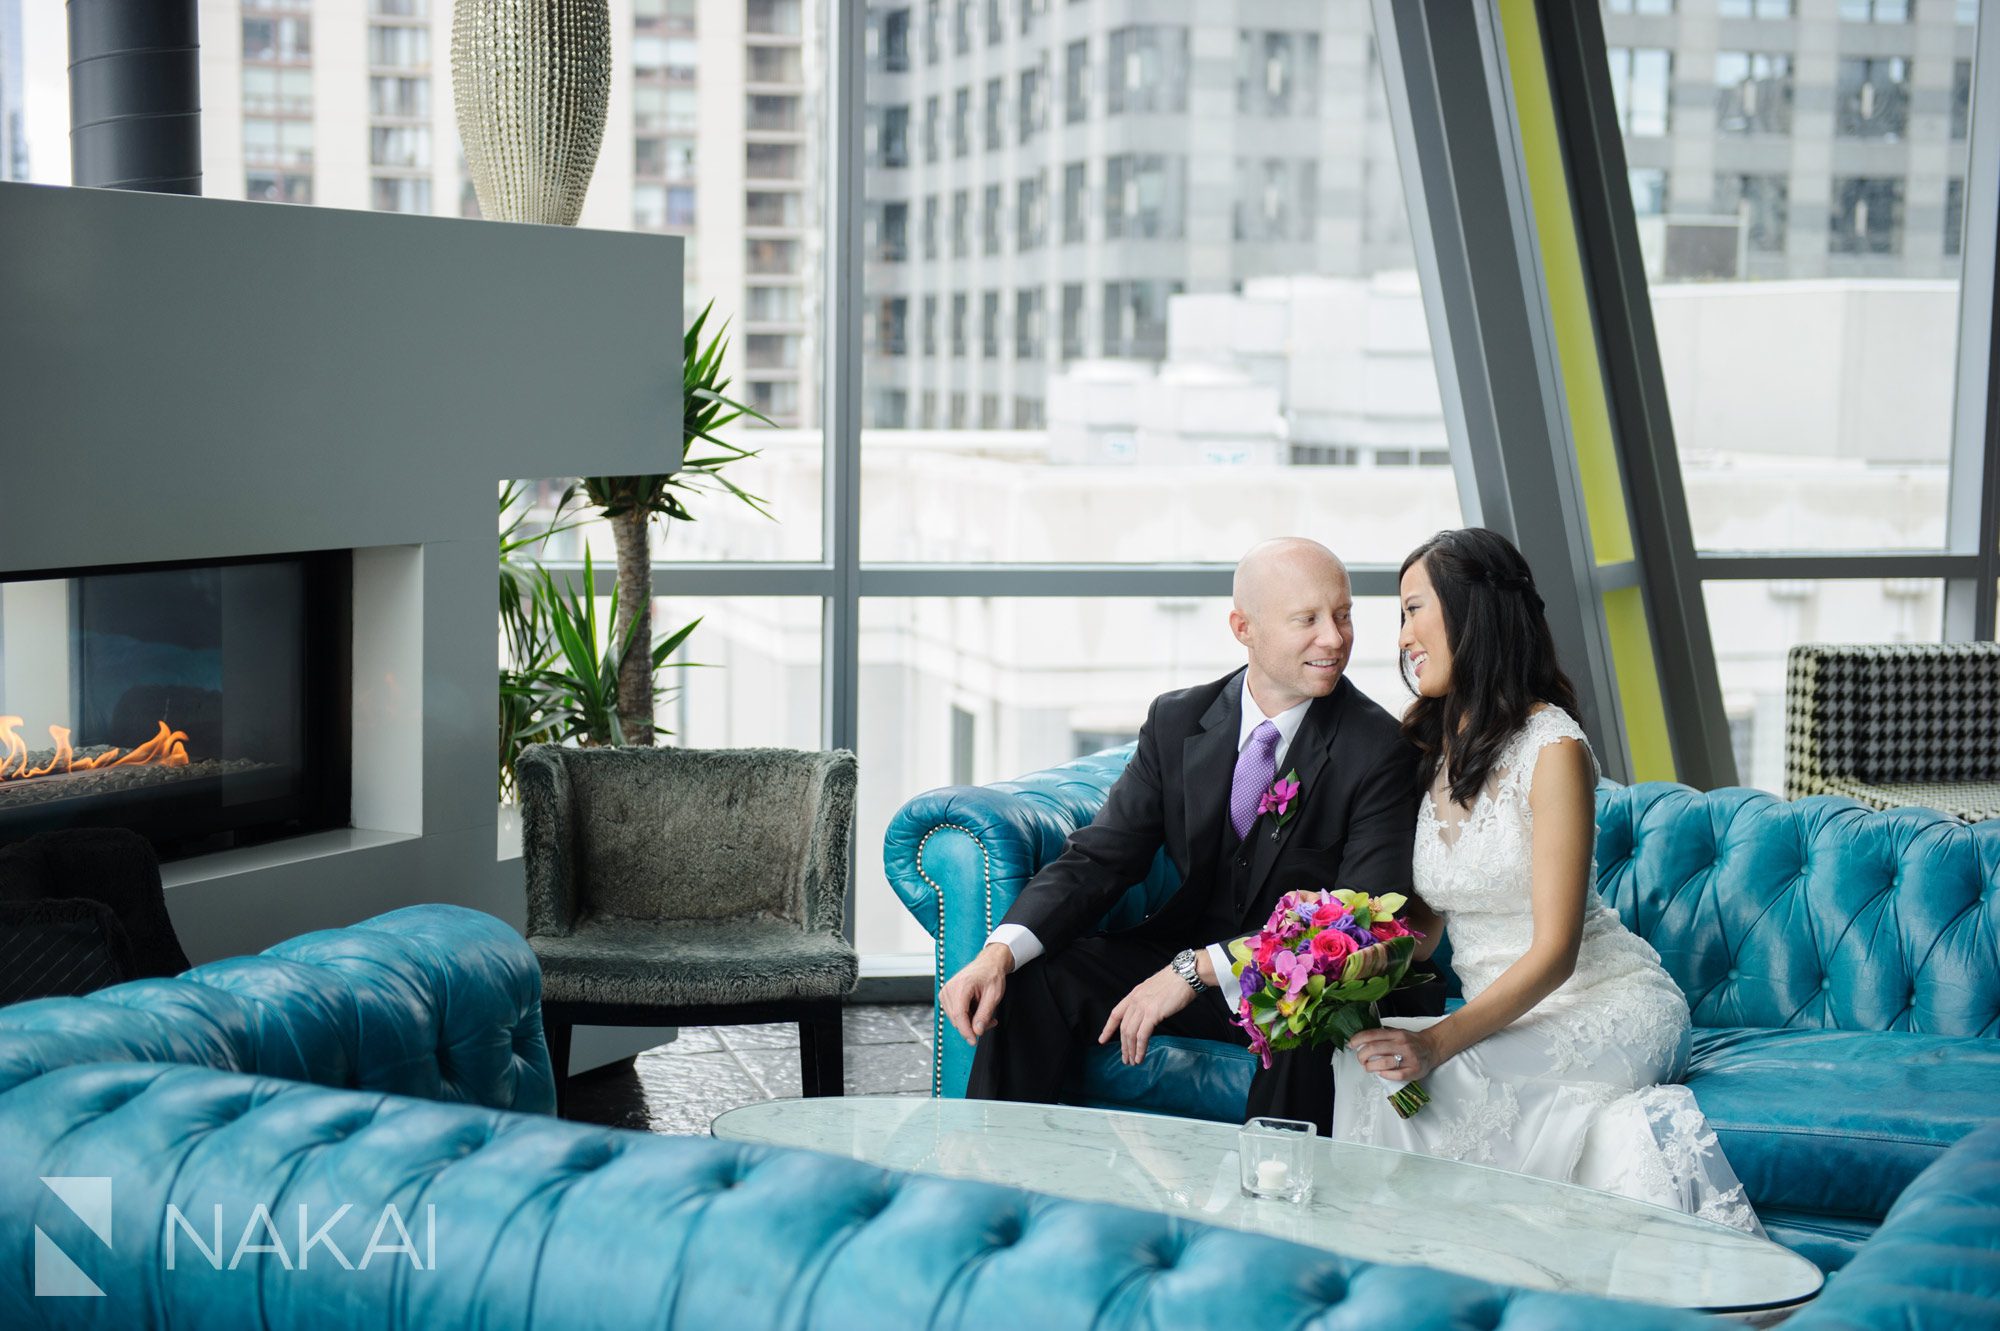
(434, 1001)
(1812, 913)
(1057, 801)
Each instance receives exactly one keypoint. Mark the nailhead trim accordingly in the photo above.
(937, 977)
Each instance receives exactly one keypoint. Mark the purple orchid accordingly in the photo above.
(1278, 799)
(1290, 971)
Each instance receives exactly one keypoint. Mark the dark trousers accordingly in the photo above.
(1056, 1006)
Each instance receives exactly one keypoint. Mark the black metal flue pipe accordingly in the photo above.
(135, 95)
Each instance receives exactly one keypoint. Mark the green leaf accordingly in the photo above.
(668, 645)
(1370, 991)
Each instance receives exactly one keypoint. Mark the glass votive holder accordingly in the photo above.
(1277, 1158)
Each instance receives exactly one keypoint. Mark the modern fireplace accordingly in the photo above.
(204, 705)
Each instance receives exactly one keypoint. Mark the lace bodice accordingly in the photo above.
(1475, 867)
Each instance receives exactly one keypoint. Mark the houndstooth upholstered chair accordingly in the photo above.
(690, 887)
(1896, 724)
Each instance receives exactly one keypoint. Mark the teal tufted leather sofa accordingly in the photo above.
(517, 1220)
(433, 1001)
(1842, 966)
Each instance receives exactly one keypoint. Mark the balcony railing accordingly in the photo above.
(772, 18)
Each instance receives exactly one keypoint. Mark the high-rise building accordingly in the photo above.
(712, 134)
(343, 103)
(1795, 138)
(1043, 178)
(13, 124)
(1064, 170)
(724, 146)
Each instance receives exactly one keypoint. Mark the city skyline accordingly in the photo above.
(1303, 398)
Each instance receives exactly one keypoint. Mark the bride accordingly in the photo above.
(1561, 1063)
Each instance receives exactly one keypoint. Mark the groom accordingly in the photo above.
(1045, 985)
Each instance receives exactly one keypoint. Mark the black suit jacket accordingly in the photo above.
(1353, 829)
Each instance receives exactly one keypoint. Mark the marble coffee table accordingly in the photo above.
(1369, 1202)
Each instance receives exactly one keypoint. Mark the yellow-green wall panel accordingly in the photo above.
(1639, 686)
(1576, 339)
(1569, 302)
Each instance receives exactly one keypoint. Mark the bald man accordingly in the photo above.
(1046, 986)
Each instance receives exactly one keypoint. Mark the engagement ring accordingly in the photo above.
(1399, 1060)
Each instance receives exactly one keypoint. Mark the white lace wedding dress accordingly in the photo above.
(1580, 1088)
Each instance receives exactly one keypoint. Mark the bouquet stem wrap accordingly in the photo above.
(1312, 975)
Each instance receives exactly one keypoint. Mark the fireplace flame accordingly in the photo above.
(168, 748)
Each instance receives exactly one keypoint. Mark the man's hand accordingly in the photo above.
(1140, 1013)
(969, 997)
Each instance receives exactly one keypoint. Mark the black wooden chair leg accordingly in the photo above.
(820, 1051)
(556, 1030)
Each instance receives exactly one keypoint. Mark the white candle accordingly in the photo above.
(1272, 1175)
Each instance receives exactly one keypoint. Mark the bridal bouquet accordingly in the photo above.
(1312, 975)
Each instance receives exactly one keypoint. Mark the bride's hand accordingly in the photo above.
(1395, 1054)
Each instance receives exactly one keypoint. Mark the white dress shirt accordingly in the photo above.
(1021, 941)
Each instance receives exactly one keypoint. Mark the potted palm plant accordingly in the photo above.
(631, 504)
(567, 674)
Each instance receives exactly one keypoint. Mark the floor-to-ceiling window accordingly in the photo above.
(1129, 291)
(1798, 174)
(1141, 294)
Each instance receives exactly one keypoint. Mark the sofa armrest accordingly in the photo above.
(434, 1001)
(548, 840)
(958, 856)
(828, 860)
(1935, 1262)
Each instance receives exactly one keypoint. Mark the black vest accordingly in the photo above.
(1221, 918)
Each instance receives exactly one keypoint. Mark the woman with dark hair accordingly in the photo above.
(1561, 1061)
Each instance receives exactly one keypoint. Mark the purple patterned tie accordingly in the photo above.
(1256, 769)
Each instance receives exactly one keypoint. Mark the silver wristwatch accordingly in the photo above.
(1183, 964)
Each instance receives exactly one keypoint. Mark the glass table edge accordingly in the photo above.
(1734, 1234)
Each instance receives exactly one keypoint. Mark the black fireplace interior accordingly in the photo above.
(202, 705)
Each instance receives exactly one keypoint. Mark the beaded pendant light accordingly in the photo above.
(531, 79)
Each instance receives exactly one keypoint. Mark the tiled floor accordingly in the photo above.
(680, 1087)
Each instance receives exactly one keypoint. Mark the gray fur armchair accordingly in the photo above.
(690, 887)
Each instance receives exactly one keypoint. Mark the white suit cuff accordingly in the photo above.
(1225, 979)
(1020, 940)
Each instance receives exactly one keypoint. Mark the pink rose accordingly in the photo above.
(1329, 947)
(1330, 910)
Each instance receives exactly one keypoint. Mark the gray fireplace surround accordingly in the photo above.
(187, 378)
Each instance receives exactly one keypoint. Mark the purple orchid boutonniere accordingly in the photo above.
(1281, 800)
